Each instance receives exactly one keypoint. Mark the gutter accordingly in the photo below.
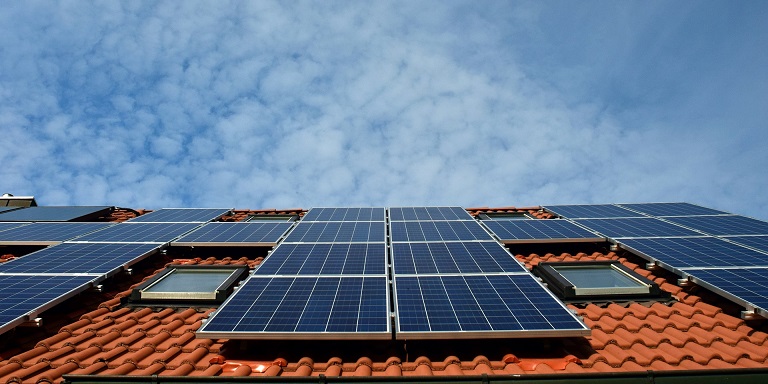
(714, 376)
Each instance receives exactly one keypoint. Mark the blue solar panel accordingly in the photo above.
(345, 214)
(63, 213)
(690, 252)
(438, 231)
(140, 233)
(48, 233)
(79, 258)
(591, 211)
(181, 215)
(759, 242)
(472, 306)
(428, 213)
(5, 226)
(304, 307)
(464, 257)
(25, 296)
(723, 225)
(747, 286)
(325, 259)
(672, 209)
(338, 232)
(253, 233)
(5, 209)
(537, 231)
(636, 227)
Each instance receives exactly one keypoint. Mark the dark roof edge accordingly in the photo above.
(745, 375)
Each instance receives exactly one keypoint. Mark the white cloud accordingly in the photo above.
(268, 104)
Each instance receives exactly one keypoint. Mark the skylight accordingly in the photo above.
(610, 279)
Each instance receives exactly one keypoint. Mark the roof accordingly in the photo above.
(99, 333)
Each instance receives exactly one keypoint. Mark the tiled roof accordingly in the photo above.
(103, 335)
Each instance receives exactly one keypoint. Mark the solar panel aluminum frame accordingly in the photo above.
(31, 315)
(487, 334)
(264, 335)
(689, 275)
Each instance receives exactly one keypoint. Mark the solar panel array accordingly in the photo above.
(539, 231)
(181, 215)
(235, 233)
(63, 213)
(724, 252)
(451, 279)
(47, 233)
(326, 279)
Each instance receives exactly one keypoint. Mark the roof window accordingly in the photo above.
(209, 283)
(595, 280)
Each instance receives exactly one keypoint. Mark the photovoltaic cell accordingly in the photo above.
(345, 214)
(62, 213)
(48, 233)
(6, 226)
(538, 231)
(88, 258)
(22, 296)
(181, 215)
(759, 242)
(672, 209)
(693, 252)
(723, 225)
(140, 233)
(5, 209)
(338, 232)
(325, 259)
(304, 307)
(636, 227)
(591, 211)
(748, 286)
(438, 231)
(238, 233)
(464, 257)
(479, 306)
(428, 213)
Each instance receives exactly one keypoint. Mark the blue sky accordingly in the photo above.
(299, 104)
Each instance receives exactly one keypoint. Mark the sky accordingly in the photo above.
(259, 104)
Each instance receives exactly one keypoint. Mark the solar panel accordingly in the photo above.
(748, 287)
(24, 297)
(759, 242)
(688, 252)
(5, 226)
(480, 306)
(181, 215)
(723, 225)
(48, 233)
(635, 227)
(464, 257)
(438, 231)
(5, 209)
(539, 231)
(304, 307)
(101, 259)
(672, 209)
(428, 213)
(325, 259)
(338, 232)
(140, 233)
(591, 211)
(63, 213)
(345, 214)
(234, 234)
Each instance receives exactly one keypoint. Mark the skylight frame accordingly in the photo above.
(144, 292)
(568, 290)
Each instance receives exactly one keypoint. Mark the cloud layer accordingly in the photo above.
(300, 104)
